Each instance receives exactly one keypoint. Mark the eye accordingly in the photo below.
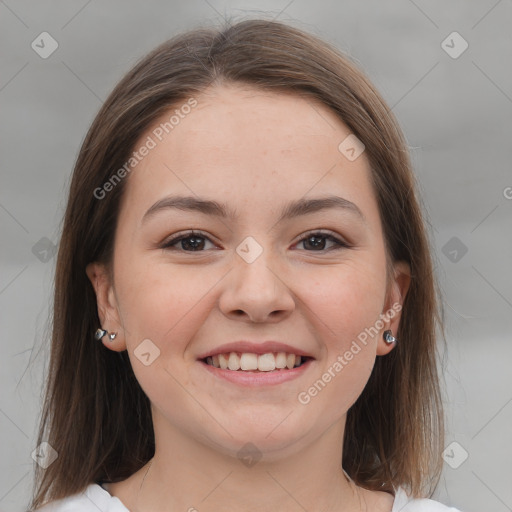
(191, 241)
(195, 241)
(317, 240)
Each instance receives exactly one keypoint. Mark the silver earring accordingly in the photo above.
(101, 332)
(389, 338)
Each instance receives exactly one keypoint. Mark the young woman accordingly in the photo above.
(245, 310)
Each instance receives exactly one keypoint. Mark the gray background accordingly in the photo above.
(456, 114)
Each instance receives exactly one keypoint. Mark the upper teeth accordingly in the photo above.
(248, 361)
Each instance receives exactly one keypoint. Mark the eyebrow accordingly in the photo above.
(291, 210)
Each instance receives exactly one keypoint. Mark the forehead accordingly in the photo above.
(245, 145)
(252, 117)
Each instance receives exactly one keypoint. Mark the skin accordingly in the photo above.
(254, 151)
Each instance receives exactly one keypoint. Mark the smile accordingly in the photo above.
(251, 362)
(249, 369)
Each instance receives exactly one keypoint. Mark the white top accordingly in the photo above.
(95, 499)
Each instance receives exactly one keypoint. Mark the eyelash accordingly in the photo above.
(327, 235)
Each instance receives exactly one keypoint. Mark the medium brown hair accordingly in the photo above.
(95, 414)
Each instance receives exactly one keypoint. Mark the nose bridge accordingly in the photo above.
(255, 286)
(255, 267)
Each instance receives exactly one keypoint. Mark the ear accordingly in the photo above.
(108, 311)
(391, 314)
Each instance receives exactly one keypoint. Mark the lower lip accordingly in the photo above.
(253, 379)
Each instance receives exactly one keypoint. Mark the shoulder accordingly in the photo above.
(403, 503)
(93, 499)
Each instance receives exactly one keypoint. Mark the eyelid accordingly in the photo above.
(335, 237)
(177, 237)
(340, 242)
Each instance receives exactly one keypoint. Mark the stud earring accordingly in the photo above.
(101, 332)
(389, 338)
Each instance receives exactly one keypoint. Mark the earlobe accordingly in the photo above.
(108, 312)
(393, 308)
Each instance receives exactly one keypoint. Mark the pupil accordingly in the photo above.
(319, 241)
(193, 242)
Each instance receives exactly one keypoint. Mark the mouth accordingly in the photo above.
(247, 362)
(253, 372)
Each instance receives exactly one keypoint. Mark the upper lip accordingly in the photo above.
(255, 348)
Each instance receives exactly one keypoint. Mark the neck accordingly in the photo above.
(190, 475)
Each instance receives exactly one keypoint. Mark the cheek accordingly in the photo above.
(346, 299)
(166, 306)
(345, 304)
(162, 303)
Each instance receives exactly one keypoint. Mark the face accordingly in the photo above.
(312, 277)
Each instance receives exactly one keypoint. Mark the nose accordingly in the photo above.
(256, 292)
